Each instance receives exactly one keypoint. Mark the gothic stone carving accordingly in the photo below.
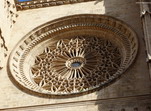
(45, 3)
(76, 65)
(73, 55)
(3, 50)
(11, 12)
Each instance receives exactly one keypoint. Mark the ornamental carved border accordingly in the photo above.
(72, 55)
(45, 3)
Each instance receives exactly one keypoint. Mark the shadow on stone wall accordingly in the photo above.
(132, 83)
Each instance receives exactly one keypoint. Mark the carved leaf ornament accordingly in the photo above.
(73, 55)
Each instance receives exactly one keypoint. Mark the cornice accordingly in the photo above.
(45, 3)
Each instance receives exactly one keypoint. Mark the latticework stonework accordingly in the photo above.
(72, 55)
(76, 65)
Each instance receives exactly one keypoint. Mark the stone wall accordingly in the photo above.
(126, 92)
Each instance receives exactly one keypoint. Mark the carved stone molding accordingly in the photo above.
(73, 55)
(3, 50)
(45, 3)
(129, 103)
(11, 12)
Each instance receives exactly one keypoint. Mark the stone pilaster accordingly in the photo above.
(145, 8)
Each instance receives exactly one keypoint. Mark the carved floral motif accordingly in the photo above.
(77, 64)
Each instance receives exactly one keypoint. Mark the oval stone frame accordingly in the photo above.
(23, 56)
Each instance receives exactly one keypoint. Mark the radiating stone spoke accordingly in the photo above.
(76, 61)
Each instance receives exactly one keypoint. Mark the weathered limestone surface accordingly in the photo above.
(121, 104)
(134, 82)
(145, 10)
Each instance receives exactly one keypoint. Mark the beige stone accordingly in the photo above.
(131, 92)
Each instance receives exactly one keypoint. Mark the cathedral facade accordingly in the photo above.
(75, 55)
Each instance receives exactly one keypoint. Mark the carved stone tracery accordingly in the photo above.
(73, 55)
(76, 64)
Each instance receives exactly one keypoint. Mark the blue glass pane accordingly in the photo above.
(24, 0)
(76, 64)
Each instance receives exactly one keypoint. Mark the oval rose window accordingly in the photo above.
(72, 55)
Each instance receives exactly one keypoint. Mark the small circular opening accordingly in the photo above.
(76, 64)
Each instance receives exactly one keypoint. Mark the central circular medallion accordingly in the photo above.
(75, 62)
(72, 55)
